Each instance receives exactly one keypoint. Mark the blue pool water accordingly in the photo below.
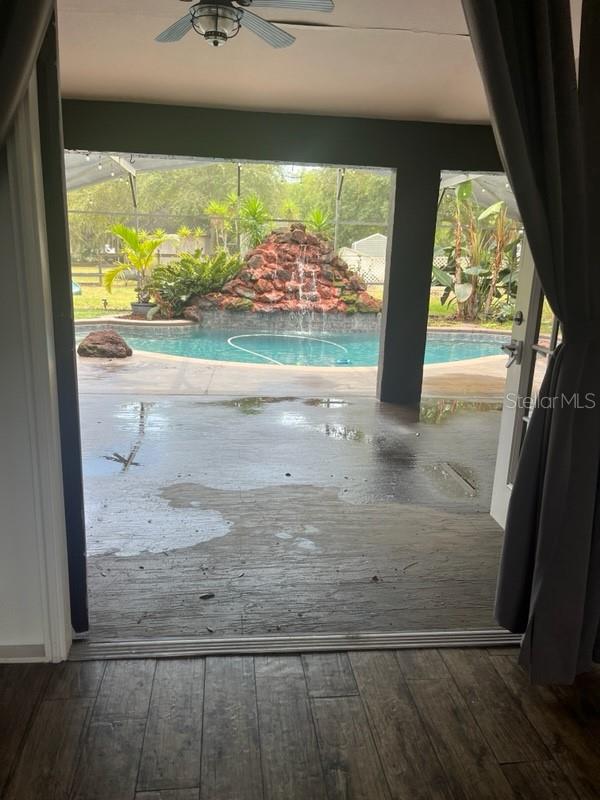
(296, 349)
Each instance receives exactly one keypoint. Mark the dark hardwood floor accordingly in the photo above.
(408, 724)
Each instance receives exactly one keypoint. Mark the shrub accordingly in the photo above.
(319, 222)
(254, 220)
(172, 285)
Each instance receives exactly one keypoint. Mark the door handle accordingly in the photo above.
(514, 351)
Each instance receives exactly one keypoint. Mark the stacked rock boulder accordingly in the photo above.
(294, 270)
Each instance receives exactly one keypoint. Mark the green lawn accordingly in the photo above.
(443, 315)
(376, 291)
(88, 304)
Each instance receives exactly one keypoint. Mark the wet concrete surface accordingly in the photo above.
(173, 376)
(287, 509)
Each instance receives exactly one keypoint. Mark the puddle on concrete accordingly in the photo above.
(292, 420)
(274, 508)
(183, 515)
(328, 402)
(343, 432)
(395, 454)
(249, 405)
(158, 534)
(126, 460)
(434, 412)
(256, 405)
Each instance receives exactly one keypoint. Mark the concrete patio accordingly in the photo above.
(158, 374)
(281, 506)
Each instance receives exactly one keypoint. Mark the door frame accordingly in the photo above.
(59, 257)
(27, 211)
(519, 379)
(413, 149)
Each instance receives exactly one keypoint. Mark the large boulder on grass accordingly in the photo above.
(104, 344)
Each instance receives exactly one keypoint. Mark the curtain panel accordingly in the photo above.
(549, 581)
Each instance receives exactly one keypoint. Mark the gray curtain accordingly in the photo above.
(549, 582)
(23, 25)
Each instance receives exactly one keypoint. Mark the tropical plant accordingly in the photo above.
(139, 251)
(172, 285)
(289, 210)
(505, 236)
(222, 215)
(318, 221)
(481, 261)
(189, 238)
(254, 220)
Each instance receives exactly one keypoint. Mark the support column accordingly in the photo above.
(52, 152)
(408, 284)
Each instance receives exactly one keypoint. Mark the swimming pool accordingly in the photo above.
(299, 349)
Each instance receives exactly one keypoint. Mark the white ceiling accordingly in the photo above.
(426, 72)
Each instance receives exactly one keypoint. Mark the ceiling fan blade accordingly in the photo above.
(266, 30)
(296, 5)
(176, 31)
(333, 27)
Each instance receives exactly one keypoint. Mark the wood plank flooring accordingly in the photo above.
(406, 725)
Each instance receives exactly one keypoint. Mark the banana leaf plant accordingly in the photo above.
(480, 274)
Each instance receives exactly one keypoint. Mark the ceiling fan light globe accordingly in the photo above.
(216, 23)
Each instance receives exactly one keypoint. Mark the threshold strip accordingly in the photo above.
(261, 645)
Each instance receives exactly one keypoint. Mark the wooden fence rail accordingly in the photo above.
(94, 274)
(91, 277)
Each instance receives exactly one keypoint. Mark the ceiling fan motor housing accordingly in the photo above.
(216, 22)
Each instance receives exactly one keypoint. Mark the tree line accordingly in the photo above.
(192, 197)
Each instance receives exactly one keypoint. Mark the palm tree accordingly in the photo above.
(139, 251)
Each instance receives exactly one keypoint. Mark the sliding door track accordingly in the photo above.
(310, 643)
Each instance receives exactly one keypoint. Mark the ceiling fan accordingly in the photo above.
(220, 21)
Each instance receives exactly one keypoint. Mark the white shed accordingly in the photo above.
(375, 246)
(370, 268)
